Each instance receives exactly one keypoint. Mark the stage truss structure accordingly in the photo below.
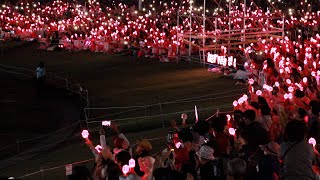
(220, 32)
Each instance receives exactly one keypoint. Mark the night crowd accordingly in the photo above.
(273, 130)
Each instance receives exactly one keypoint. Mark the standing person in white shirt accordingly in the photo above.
(40, 78)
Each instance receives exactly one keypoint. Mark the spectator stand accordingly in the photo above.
(234, 31)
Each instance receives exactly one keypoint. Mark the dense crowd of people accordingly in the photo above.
(250, 144)
(274, 128)
(271, 134)
(114, 27)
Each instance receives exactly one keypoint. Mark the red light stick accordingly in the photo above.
(106, 123)
(232, 131)
(251, 81)
(125, 169)
(98, 148)
(178, 144)
(132, 163)
(305, 79)
(196, 113)
(228, 117)
(312, 141)
(259, 92)
(235, 103)
(85, 134)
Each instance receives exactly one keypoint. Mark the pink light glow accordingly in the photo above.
(232, 131)
(251, 81)
(235, 103)
(125, 169)
(245, 97)
(312, 141)
(178, 145)
(240, 100)
(85, 134)
(98, 148)
(259, 92)
(288, 81)
(228, 117)
(106, 123)
(290, 89)
(305, 79)
(132, 163)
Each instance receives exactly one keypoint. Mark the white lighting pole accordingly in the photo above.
(177, 53)
(244, 23)
(140, 5)
(191, 1)
(204, 33)
(229, 26)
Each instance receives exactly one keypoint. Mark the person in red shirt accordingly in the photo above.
(183, 154)
(221, 138)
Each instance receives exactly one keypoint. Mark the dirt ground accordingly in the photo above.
(118, 81)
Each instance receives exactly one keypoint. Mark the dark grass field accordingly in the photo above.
(118, 81)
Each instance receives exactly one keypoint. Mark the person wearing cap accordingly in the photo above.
(269, 166)
(209, 167)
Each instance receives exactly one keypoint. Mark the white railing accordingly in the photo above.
(159, 113)
(58, 81)
(1, 44)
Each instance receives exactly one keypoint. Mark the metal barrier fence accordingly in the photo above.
(159, 114)
(52, 78)
(62, 168)
(1, 44)
(28, 147)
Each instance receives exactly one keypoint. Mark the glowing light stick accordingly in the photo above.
(235, 103)
(232, 131)
(178, 144)
(106, 123)
(241, 100)
(196, 113)
(251, 81)
(85, 134)
(98, 148)
(184, 116)
(132, 163)
(125, 169)
(290, 89)
(288, 81)
(305, 79)
(245, 97)
(312, 141)
(228, 117)
(259, 92)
